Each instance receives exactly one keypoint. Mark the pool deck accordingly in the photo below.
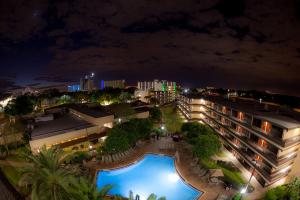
(209, 192)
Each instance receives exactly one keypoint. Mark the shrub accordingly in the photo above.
(228, 165)
(117, 141)
(206, 146)
(278, 193)
(79, 156)
(155, 114)
(209, 164)
(234, 178)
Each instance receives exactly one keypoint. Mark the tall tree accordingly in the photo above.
(47, 175)
(84, 189)
(155, 114)
(22, 105)
(206, 146)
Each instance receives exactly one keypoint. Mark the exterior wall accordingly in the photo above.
(295, 170)
(291, 133)
(100, 121)
(141, 115)
(274, 155)
(113, 84)
(285, 152)
(141, 94)
(56, 139)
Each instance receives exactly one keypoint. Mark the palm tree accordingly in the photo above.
(151, 197)
(83, 189)
(154, 197)
(47, 175)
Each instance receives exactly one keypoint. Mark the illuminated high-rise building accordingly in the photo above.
(164, 91)
(87, 83)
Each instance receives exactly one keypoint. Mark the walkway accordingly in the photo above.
(209, 192)
(259, 190)
(13, 163)
(8, 192)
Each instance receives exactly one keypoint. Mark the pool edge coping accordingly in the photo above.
(140, 158)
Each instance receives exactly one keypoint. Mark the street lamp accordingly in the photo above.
(244, 190)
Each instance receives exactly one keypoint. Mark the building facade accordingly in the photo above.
(261, 138)
(163, 91)
(87, 83)
(112, 84)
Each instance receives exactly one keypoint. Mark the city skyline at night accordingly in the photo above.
(229, 43)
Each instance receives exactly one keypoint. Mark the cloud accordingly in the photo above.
(229, 43)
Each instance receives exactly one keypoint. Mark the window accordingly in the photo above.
(241, 116)
(262, 143)
(234, 113)
(266, 127)
(256, 123)
(277, 131)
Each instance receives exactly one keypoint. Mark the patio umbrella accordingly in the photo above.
(216, 173)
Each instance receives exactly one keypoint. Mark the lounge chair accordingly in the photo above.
(109, 159)
(117, 157)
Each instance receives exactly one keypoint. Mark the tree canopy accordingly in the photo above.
(206, 146)
(193, 129)
(290, 191)
(22, 105)
(204, 139)
(125, 135)
(49, 177)
(171, 118)
(155, 114)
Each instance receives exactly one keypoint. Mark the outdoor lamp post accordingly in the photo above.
(244, 190)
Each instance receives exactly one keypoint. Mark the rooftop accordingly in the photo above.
(284, 118)
(90, 109)
(60, 125)
(93, 110)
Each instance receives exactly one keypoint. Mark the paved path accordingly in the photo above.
(8, 192)
(12, 163)
(259, 190)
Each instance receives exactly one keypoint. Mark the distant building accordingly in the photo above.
(59, 87)
(73, 88)
(87, 83)
(164, 91)
(112, 84)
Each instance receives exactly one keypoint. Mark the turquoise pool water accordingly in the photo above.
(153, 174)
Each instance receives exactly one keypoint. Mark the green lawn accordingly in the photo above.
(12, 174)
(171, 118)
(232, 176)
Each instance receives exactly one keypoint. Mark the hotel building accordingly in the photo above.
(112, 84)
(262, 137)
(164, 91)
(72, 125)
(87, 83)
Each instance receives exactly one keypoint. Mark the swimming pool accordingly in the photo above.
(152, 174)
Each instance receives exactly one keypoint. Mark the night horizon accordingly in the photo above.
(150, 99)
(224, 44)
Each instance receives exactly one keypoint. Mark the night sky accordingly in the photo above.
(251, 44)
